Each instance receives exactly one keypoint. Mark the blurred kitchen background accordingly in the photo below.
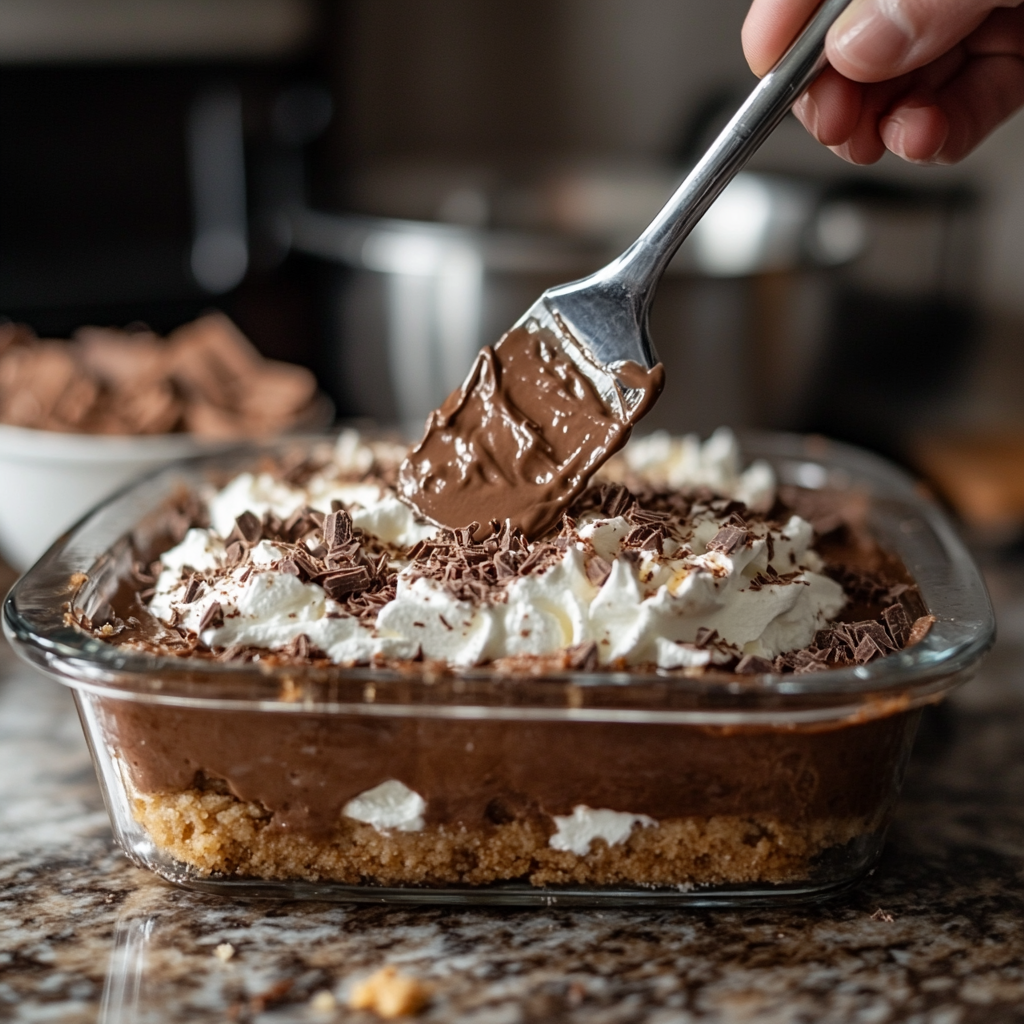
(376, 188)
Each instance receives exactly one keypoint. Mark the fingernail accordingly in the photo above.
(871, 34)
(808, 112)
(894, 130)
(894, 133)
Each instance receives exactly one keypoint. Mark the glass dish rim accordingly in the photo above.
(913, 676)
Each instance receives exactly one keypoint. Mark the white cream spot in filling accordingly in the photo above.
(391, 805)
(575, 832)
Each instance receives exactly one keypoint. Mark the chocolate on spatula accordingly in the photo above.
(520, 439)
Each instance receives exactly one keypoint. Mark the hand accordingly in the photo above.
(926, 79)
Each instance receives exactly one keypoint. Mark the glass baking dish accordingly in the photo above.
(572, 788)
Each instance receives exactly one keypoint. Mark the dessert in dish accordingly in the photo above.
(205, 379)
(675, 561)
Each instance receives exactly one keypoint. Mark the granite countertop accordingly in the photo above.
(935, 936)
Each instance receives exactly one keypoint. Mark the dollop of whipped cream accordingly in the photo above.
(763, 597)
(374, 508)
(253, 605)
(705, 581)
(684, 462)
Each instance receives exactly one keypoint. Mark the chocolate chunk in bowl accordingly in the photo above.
(335, 759)
(80, 419)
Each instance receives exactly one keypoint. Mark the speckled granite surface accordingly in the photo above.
(936, 936)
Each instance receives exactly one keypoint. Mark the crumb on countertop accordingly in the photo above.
(390, 994)
(323, 1002)
(224, 952)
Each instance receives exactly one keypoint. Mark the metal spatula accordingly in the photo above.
(482, 458)
(608, 311)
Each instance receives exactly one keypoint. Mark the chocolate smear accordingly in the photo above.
(920, 629)
(522, 436)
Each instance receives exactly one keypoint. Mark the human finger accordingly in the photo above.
(830, 108)
(925, 132)
(864, 144)
(769, 28)
(862, 147)
(876, 40)
(916, 130)
(984, 94)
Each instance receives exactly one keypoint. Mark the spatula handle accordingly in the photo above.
(645, 261)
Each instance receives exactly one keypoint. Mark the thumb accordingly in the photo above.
(875, 40)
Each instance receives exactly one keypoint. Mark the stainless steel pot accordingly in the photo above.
(413, 302)
(744, 319)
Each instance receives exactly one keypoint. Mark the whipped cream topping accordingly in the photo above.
(575, 832)
(649, 605)
(685, 462)
(705, 583)
(372, 507)
(269, 609)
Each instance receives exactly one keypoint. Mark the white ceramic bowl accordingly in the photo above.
(50, 480)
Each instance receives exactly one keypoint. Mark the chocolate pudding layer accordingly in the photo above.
(474, 773)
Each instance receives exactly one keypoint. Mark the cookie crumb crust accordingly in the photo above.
(218, 833)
